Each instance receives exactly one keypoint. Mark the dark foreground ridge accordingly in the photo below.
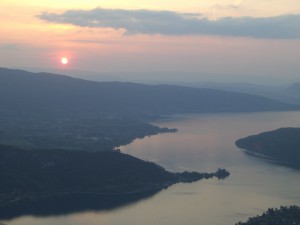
(282, 145)
(29, 177)
(282, 216)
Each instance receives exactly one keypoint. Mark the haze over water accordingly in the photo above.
(203, 143)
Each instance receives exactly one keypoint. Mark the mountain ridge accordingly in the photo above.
(46, 111)
(26, 91)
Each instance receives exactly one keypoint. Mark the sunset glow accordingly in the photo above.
(104, 105)
(204, 38)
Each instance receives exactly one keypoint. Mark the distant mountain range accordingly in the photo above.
(50, 111)
(288, 94)
(294, 89)
(26, 92)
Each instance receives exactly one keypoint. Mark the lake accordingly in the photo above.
(203, 143)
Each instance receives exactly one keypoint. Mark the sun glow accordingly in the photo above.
(64, 60)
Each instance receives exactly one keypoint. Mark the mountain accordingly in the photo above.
(294, 89)
(51, 111)
(282, 145)
(280, 93)
(50, 94)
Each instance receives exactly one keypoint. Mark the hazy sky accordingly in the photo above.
(223, 40)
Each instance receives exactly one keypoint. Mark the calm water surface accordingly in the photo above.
(203, 143)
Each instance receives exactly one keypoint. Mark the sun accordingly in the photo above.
(64, 60)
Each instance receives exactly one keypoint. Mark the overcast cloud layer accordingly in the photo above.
(173, 23)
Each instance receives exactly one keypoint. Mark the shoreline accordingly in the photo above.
(288, 164)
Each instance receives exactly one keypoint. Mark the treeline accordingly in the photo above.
(282, 216)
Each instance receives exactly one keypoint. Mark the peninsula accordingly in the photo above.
(29, 176)
(281, 145)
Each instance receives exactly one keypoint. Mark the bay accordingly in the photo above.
(203, 143)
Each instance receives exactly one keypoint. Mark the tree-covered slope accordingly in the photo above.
(33, 175)
(282, 216)
(282, 145)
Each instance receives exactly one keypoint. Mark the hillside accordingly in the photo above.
(282, 145)
(56, 94)
(282, 216)
(285, 94)
(29, 177)
(48, 111)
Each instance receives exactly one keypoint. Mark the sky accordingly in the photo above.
(196, 40)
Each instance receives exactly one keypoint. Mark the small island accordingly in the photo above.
(282, 145)
(282, 216)
(33, 176)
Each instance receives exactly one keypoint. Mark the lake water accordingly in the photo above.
(203, 143)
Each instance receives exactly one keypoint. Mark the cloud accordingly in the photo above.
(174, 23)
(227, 7)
